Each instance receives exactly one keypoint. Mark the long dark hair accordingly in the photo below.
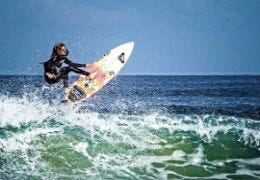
(55, 48)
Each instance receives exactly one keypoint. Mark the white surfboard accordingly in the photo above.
(102, 71)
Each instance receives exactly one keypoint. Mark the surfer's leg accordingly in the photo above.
(65, 78)
(64, 74)
(52, 80)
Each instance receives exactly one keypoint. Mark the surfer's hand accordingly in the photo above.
(88, 78)
(49, 75)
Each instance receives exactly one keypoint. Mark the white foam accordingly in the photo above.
(21, 141)
(81, 147)
(178, 155)
(16, 111)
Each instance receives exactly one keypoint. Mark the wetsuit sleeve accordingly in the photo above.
(70, 63)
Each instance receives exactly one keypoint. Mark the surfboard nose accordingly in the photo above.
(131, 44)
(128, 47)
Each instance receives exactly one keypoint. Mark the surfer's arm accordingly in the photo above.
(70, 63)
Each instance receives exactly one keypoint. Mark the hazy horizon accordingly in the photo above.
(75, 75)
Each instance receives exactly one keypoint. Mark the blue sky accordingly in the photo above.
(171, 36)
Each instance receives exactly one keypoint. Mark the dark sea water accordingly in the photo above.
(136, 127)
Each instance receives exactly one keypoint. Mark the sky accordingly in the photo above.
(172, 37)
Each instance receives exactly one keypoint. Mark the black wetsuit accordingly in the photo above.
(54, 66)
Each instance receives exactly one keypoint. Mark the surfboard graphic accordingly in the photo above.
(102, 71)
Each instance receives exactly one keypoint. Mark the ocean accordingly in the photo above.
(136, 127)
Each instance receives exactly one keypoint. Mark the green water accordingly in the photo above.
(114, 146)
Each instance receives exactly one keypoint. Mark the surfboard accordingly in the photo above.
(101, 72)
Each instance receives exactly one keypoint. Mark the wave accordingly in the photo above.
(18, 112)
(42, 138)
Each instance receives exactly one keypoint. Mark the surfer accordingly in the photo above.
(54, 71)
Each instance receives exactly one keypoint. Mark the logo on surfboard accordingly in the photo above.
(121, 57)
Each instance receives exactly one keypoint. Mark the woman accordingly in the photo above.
(54, 70)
